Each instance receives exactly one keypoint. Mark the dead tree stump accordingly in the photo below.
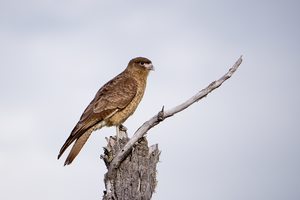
(135, 178)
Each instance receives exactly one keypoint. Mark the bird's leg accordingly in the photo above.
(118, 132)
(121, 131)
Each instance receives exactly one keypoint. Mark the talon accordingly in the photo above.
(122, 128)
(121, 132)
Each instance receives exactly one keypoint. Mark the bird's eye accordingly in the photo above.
(142, 63)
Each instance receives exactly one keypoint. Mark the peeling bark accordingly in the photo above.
(135, 178)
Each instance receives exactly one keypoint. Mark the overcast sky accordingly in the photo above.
(241, 142)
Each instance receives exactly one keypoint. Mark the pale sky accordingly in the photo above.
(241, 142)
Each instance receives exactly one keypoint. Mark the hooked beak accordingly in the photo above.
(149, 66)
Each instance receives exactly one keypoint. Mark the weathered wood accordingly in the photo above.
(135, 178)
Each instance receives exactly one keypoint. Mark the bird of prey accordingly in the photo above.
(112, 105)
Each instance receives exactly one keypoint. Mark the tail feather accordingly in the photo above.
(80, 135)
(75, 134)
(79, 143)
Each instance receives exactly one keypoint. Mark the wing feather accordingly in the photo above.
(112, 97)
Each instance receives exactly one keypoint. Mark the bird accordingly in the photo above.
(114, 102)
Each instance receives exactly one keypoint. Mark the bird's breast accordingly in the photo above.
(123, 114)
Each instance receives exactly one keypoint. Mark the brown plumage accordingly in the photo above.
(112, 105)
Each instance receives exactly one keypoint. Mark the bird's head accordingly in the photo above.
(140, 64)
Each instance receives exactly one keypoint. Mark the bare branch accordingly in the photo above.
(165, 114)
